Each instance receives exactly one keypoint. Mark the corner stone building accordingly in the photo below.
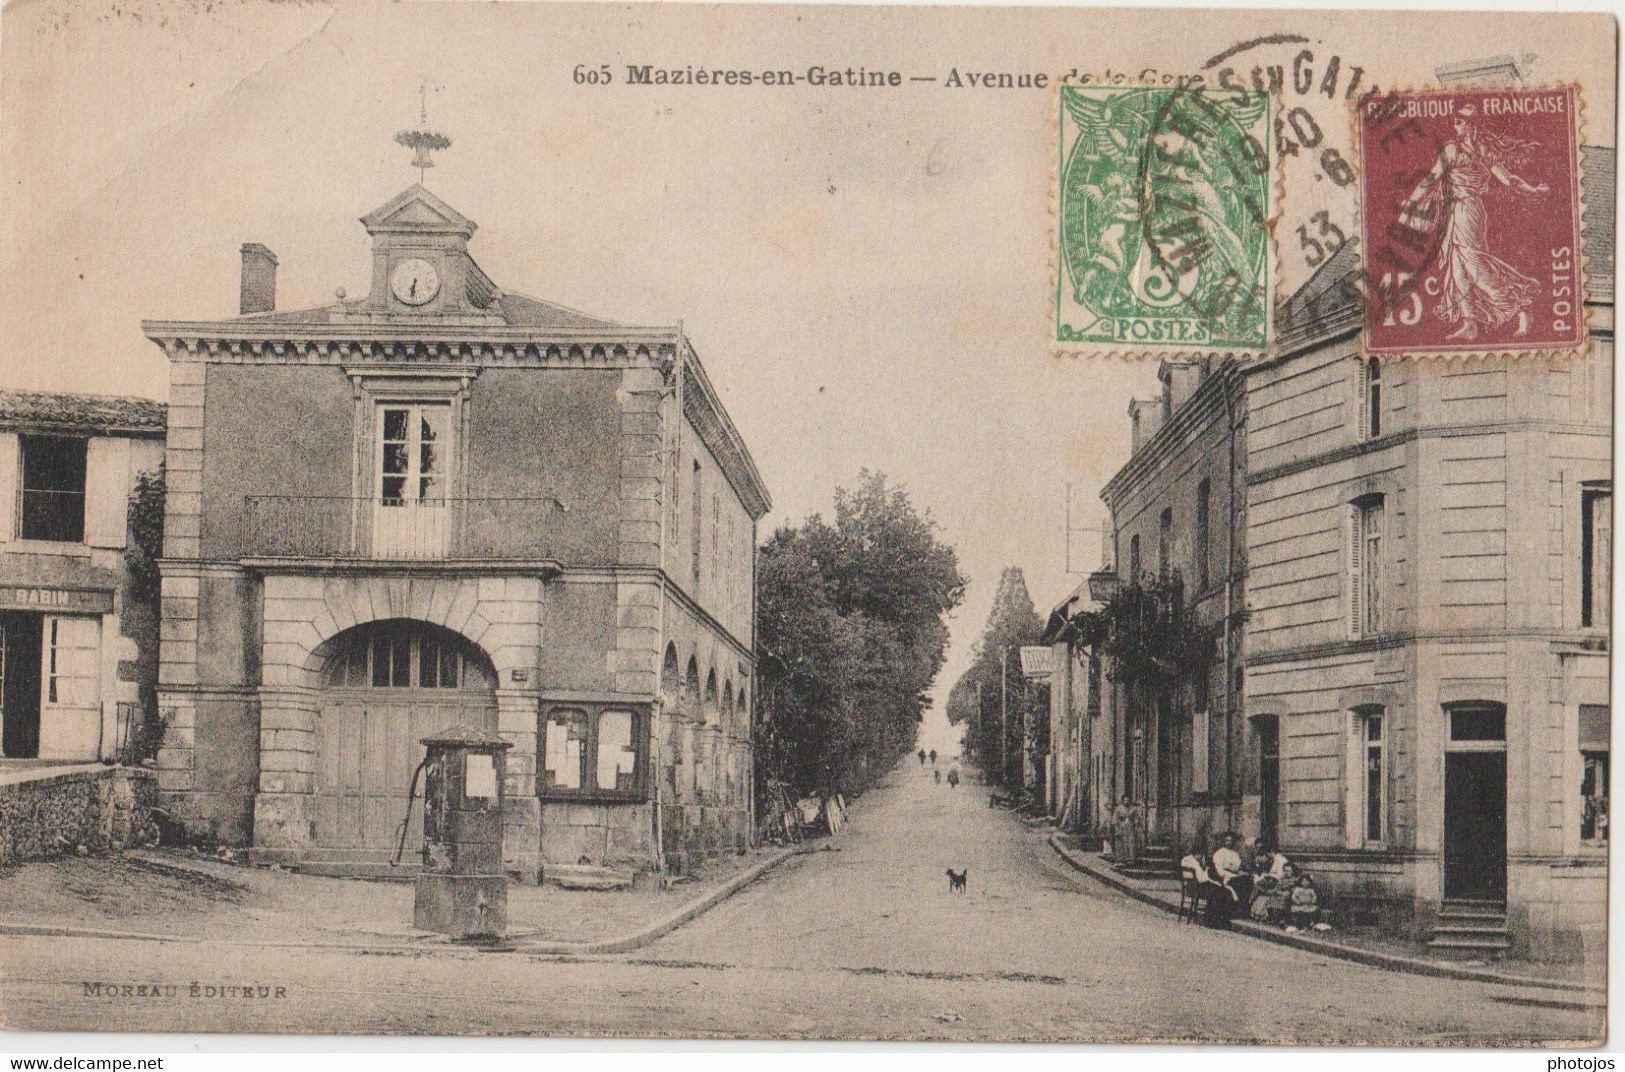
(446, 503)
(1428, 589)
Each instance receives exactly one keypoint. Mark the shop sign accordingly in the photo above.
(62, 600)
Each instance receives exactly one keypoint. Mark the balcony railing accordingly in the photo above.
(342, 527)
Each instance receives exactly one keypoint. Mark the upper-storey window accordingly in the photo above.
(1165, 543)
(1366, 562)
(695, 523)
(414, 464)
(1596, 555)
(1134, 559)
(716, 543)
(1370, 398)
(1204, 495)
(53, 488)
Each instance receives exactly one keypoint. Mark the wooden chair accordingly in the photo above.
(1192, 896)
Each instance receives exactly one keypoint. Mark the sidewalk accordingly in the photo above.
(169, 895)
(1378, 952)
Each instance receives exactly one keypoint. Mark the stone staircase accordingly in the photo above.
(373, 867)
(586, 877)
(1471, 930)
(1156, 861)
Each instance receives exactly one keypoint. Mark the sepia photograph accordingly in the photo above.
(838, 522)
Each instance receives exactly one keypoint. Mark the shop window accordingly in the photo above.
(1369, 795)
(53, 488)
(1596, 556)
(593, 752)
(1594, 773)
(72, 661)
(564, 752)
(406, 655)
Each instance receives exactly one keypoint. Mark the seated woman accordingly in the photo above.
(1305, 906)
(1215, 895)
(1228, 870)
(1213, 892)
(1267, 860)
(1270, 899)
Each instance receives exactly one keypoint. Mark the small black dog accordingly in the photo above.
(956, 880)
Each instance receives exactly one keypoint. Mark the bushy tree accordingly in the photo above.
(851, 628)
(993, 686)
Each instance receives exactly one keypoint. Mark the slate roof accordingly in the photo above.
(54, 411)
(1597, 183)
(518, 311)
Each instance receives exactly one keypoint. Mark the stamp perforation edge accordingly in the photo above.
(1469, 354)
(1151, 350)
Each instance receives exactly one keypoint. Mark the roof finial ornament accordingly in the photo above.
(422, 141)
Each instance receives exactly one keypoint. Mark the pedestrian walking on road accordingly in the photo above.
(936, 776)
(933, 757)
(953, 777)
(922, 757)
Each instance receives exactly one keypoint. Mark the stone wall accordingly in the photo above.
(52, 812)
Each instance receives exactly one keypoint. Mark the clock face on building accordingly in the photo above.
(414, 282)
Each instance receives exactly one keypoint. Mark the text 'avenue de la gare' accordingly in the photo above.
(816, 75)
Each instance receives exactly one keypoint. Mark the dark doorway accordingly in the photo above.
(1269, 781)
(1167, 755)
(1475, 825)
(21, 634)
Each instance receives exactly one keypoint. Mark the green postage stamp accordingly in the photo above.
(1163, 220)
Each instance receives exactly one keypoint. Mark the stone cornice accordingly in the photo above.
(395, 343)
(704, 411)
(1575, 641)
(1408, 435)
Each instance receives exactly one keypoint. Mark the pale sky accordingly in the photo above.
(865, 273)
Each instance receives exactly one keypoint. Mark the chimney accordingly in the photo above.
(259, 279)
(1146, 415)
(1180, 379)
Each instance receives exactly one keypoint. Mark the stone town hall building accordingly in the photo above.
(449, 503)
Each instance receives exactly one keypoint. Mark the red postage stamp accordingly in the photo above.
(1470, 205)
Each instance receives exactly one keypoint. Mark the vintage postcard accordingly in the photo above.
(806, 522)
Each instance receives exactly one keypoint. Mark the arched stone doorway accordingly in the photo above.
(386, 685)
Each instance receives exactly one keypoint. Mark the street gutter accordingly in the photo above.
(1369, 957)
(628, 942)
(516, 943)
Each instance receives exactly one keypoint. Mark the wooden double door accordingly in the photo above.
(367, 746)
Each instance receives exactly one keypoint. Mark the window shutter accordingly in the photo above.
(107, 478)
(1354, 540)
(1362, 422)
(8, 485)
